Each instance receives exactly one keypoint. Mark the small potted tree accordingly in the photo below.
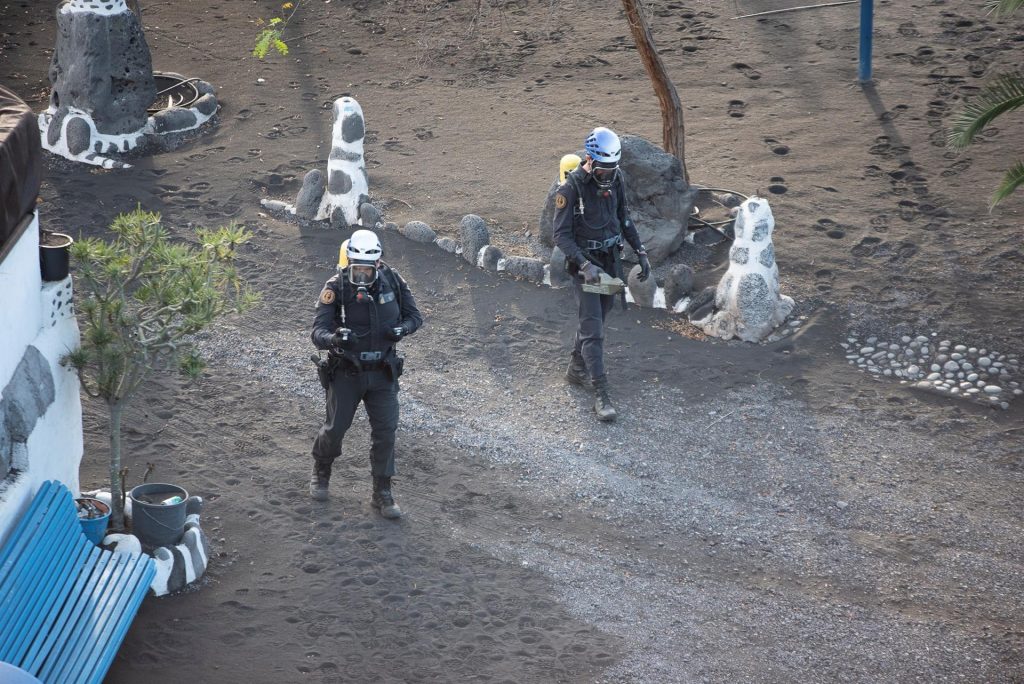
(141, 298)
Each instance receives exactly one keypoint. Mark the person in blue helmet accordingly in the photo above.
(590, 224)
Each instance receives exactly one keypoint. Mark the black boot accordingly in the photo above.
(319, 481)
(602, 402)
(382, 499)
(577, 371)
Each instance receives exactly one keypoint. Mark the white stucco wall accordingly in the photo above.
(20, 316)
(39, 314)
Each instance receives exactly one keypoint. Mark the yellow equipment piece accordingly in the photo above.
(568, 163)
(343, 255)
(608, 285)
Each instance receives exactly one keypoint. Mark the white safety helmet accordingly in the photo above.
(363, 252)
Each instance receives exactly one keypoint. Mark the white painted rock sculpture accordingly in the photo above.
(103, 84)
(748, 304)
(343, 198)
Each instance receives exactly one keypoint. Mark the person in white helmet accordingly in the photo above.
(590, 223)
(362, 313)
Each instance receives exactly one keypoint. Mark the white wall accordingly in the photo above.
(20, 316)
(39, 314)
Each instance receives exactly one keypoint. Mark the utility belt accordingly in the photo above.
(353, 363)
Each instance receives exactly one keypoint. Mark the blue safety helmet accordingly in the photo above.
(603, 146)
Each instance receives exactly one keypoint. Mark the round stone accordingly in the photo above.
(960, 348)
(972, 377)
(905, 339)
(967, 366)
(867, 350)
(945, 343)
(894, 347)
(935, 368)
(951, 366)
(887, 372)
(1004, 405)
(872, 340)
(913, 371)
(993, 389)
(920, 339)
(934, 376)
(942, 358)
(973, 390)
(1018, 392)
(956, 357)
(972, 350)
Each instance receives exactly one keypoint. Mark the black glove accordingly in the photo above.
(591, 273)
(645, 267)
(341, 338)
(396, 333)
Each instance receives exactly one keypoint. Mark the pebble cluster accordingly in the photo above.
(981, 375)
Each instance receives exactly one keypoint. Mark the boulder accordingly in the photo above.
(369, 215)
(447, 244)
(526, 268)
(642, 292)
(307, 202)
(678, 284)
(473, 232)
(701, 306)
(418, 231)
(547, 216)
(557, 275)
(488, 257)
(659, 198)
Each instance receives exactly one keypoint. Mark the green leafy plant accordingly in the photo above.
(141, 298)
(272, 33)
(1004, 94)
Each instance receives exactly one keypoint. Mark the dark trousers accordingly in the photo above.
(379, 394)
(589, 341)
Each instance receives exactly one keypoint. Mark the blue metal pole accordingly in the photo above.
(867, 22)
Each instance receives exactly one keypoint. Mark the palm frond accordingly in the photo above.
(1003, 8)
(1003, 95)
(1013, 179)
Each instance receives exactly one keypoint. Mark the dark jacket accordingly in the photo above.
(602, 214)
(369, 320)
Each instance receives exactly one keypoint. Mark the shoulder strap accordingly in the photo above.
(393, 282)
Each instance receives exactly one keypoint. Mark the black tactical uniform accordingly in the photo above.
(365, 369)
(590, 224)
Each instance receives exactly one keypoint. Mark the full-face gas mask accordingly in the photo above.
(363, 251)
(604, 174)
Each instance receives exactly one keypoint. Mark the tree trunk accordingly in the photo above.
(672, 129)
(116, 493)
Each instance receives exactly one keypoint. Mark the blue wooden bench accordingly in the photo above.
(65, 603)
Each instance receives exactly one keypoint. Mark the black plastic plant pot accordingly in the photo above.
(54, 256)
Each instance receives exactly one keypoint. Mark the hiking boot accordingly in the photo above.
(382, 499)
(576, 374)
(602, 402)
(319, 481)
